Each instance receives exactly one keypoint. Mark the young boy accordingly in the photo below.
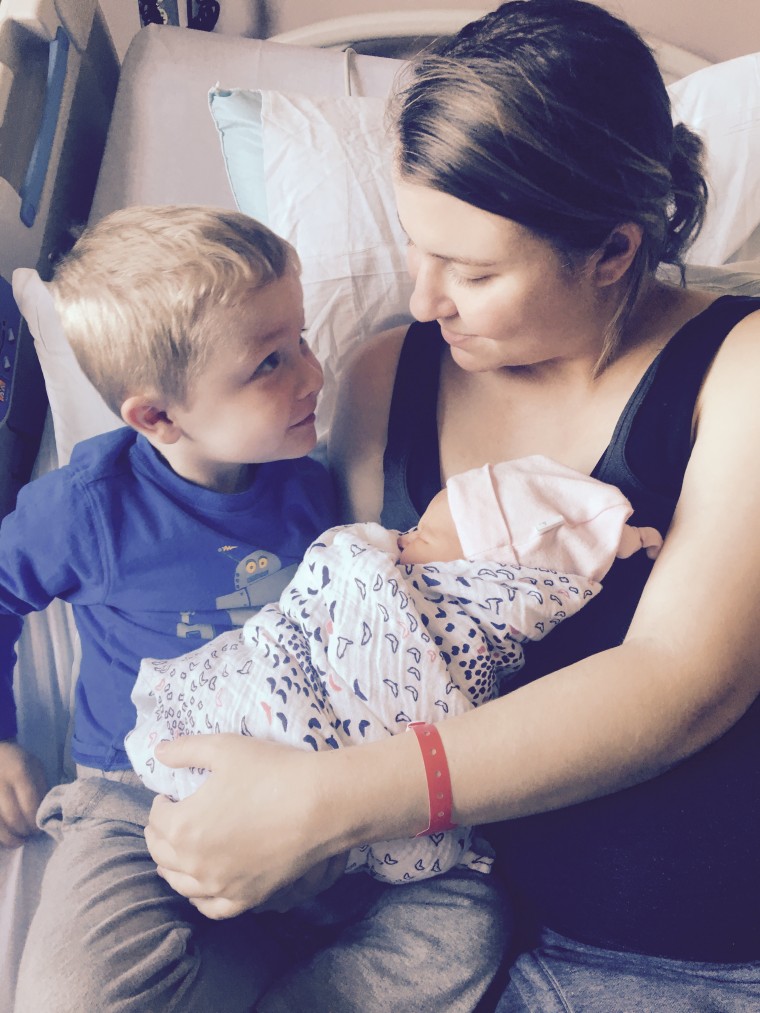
(189, 322)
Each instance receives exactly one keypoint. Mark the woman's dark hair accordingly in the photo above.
(554, 113)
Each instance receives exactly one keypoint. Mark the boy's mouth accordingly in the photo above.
(308, 420)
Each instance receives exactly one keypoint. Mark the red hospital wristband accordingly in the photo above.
(438, 777)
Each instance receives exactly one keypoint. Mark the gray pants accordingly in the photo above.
(562, 976)
(110, 936)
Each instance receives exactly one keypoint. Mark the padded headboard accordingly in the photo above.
(162, 145)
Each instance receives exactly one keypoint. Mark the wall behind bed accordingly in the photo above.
(714, 29)
(711, 29)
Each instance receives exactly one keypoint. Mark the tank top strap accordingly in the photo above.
(652, 442)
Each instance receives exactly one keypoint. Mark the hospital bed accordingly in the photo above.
(292, 133)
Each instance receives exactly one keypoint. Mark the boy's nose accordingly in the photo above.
(312, 378)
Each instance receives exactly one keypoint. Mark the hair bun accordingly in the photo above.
(689, 193)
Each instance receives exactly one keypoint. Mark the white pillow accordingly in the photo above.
(77, 410)
(722, 104)
(318, 172)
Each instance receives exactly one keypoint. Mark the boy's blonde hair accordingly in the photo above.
(137, 293)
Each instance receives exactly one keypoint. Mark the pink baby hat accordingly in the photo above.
(539, 513)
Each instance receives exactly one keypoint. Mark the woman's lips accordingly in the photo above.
(452, 338)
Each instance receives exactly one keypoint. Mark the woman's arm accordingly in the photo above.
(360, 427)
(690, 665)
(685, 674)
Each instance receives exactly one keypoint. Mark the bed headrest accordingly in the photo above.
(318, 171)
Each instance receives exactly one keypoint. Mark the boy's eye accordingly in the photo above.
(268, 365)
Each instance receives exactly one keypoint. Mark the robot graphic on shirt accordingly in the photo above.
(259, 579)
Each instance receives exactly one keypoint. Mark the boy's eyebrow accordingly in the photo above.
(272, 336)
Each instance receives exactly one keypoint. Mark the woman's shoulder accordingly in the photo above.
(359, 428)
(736, 366)
(721, 327)
(694, 323)
(379, 353)
(711, 337)
(726, 420)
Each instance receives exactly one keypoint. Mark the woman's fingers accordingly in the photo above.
(161, 849)
(192, 751)
(246, 833)
(317, 879)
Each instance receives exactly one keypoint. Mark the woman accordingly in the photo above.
(540, 183)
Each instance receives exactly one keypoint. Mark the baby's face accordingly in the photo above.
(435, 539)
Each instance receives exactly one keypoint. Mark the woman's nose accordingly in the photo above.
(429, 300)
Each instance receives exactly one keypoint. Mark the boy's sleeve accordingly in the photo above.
(47, 550)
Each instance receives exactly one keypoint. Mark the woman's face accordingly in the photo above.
(501, 295)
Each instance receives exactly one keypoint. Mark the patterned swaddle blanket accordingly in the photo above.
(357, 647)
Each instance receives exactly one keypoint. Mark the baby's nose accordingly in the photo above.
(405, 538)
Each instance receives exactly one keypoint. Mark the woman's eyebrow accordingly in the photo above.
(465, 261)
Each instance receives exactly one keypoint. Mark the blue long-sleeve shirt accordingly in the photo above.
(151, 565)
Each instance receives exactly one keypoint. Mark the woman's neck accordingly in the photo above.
(562, 407)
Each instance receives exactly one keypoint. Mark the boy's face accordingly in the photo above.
(435, 539)
(256, 399)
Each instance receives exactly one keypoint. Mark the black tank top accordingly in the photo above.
(672, 866)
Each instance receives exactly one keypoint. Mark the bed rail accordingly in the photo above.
(58, 75)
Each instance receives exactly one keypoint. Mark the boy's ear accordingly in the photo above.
(142, 413)
(616, 255)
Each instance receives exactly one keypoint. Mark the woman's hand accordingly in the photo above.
(315, 881)
(250, 831)
(22, 787)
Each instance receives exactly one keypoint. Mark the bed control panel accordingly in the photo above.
(23, 402)
(9, 328)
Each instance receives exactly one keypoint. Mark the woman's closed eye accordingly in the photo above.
(464, 279)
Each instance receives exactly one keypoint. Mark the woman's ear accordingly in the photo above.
(142, 413)
(616, 254)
